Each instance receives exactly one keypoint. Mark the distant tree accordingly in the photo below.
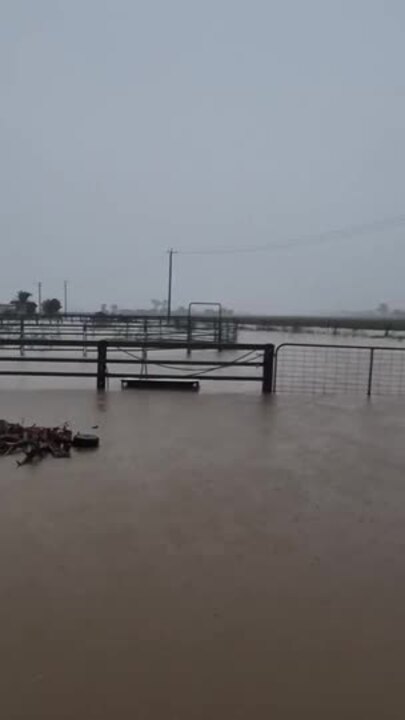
(22, 297)
(22, 304)
(51, 306)
(383, 309)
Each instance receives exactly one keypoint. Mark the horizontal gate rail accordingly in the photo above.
(150, 345)
(122, 361)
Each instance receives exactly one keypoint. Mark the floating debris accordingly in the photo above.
(36, 442)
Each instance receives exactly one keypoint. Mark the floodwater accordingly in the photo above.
(220, 556)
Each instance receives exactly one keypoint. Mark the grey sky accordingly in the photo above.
(131, 126)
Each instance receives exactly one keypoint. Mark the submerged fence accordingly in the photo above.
(221, 329)
(104, 360)
(318, 368)
(291, 367)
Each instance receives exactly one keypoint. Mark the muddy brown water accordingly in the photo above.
(218, 557)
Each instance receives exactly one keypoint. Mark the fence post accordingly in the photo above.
(84, 340)
(220, 334)
(101, 364)
(370, 373)
(22, 351)
(189, 334)
(268, 358)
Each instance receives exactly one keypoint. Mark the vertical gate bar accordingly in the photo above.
(84, 340)
(189, 334)
(220, 333)
(275, 363)
(268, 359)
(101, 364)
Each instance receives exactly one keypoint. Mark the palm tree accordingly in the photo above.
(22, 304)
(22, 297)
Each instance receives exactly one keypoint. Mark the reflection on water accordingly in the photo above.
(101, 401)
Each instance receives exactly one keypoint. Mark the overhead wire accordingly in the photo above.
(327, 236)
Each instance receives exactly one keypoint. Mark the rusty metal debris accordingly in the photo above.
(36, 442)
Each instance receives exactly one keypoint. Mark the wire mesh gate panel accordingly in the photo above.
(328, 369)
(388, 377)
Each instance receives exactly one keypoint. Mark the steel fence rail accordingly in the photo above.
(316, 368)
(257, 357)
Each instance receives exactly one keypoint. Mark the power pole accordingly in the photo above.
(39, 297)
(65, 288)
(169, 294)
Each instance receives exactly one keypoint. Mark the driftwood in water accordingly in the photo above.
(34, 442)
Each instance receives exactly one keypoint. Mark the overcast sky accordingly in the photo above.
(129, 126)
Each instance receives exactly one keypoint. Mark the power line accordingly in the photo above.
(308, 240)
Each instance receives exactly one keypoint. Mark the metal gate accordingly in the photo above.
(330, 369)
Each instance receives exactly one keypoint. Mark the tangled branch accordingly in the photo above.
(34, 442)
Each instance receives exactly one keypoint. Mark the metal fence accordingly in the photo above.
(330, 369)
(163, 360)
(149, 328)
(292, 367)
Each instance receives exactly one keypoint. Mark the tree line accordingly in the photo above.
(22, 304)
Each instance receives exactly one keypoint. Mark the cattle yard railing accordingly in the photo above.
(331, 369)
(291, 367)
(104, 360)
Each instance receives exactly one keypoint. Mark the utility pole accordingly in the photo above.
(65, 288)
(39, 297)
(169, 294)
